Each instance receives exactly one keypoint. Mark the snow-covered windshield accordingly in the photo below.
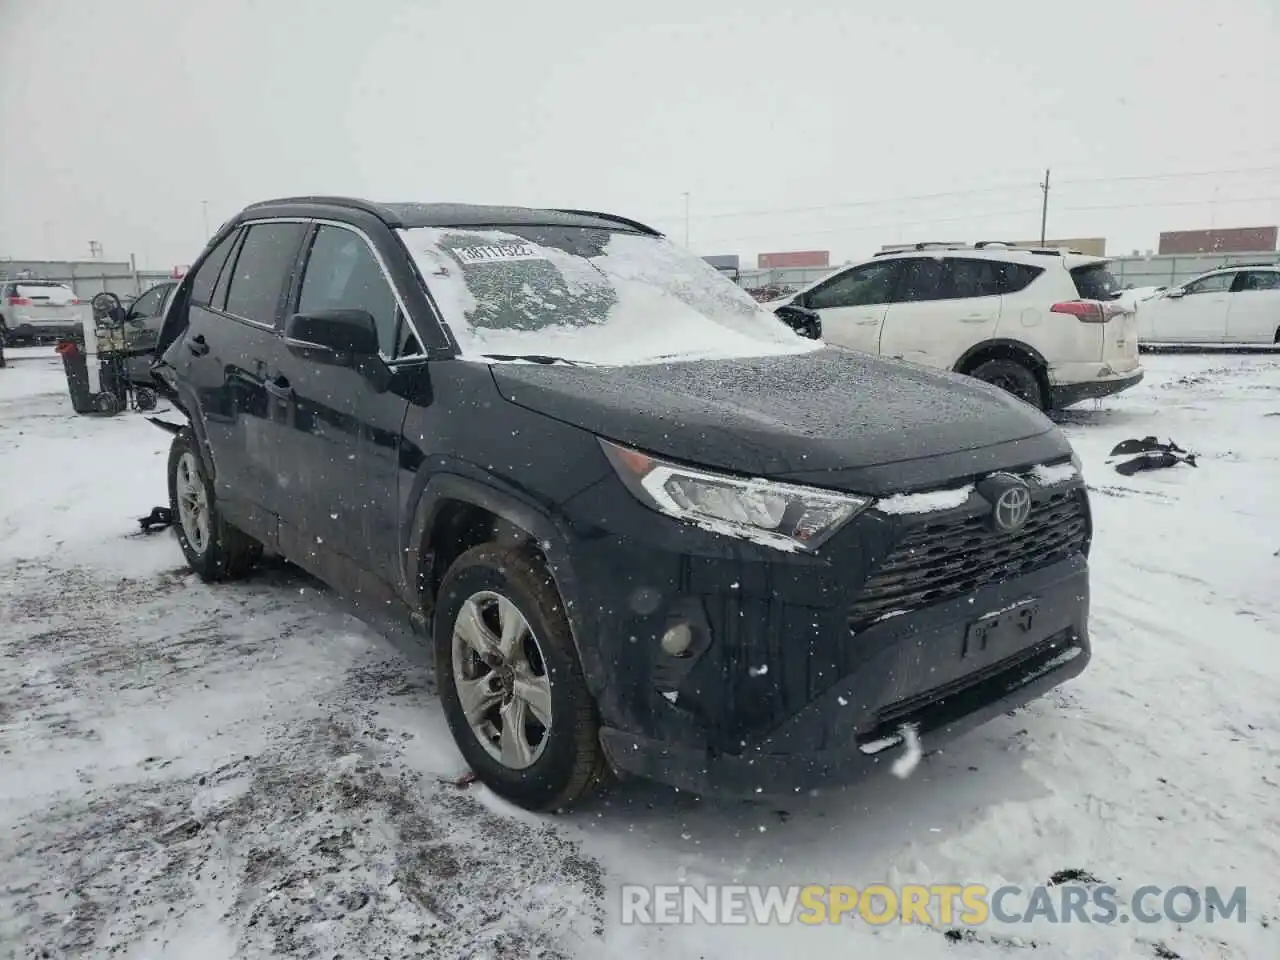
(589, 295)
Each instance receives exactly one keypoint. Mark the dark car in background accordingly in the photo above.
(640, 524)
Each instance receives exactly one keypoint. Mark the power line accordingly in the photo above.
(973, 192)
(1019, 211)
(1174, 176)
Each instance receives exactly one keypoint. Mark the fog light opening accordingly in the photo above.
(677, 640)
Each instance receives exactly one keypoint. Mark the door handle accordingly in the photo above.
(974, 318)
(867, 323)
(197, 345)
(279, 388)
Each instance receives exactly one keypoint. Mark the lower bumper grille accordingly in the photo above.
(943, 561)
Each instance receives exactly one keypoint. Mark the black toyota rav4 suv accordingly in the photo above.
(641, 525)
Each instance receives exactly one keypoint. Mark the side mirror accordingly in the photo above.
(340, 338)
(332, 336)
(805, 323)
(1175, 293)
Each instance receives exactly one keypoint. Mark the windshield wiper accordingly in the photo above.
(531, 357)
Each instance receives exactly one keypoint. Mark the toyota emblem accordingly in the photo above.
(1012, 509)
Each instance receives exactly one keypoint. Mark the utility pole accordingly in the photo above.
(1044, 208)
(686, 219)
(204, 210)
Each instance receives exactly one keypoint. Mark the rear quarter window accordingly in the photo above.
(207, 275)
(1015, 277)
(1095, 281)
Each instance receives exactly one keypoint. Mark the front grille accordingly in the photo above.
(942, 561)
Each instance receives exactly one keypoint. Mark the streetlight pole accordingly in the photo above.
(1044, 208)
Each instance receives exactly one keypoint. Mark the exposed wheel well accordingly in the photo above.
(1277, 335)
(458, 526)
(1007, 351)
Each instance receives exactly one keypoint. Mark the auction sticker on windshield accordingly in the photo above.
(496, 253)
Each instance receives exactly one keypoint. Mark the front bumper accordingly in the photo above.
(1065, 394)
(853, 729)
(794, 682)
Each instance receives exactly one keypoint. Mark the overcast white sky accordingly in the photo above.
(788, 130)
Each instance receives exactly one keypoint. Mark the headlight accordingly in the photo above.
(780, 515)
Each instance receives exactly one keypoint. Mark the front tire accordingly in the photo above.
(509, 678)
(1012, 377)
(213, 547)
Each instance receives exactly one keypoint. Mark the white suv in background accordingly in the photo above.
(1236, 304)
(1043, 323)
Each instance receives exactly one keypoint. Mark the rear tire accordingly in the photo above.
(213, 547)
(529, 729)
(1012, 377)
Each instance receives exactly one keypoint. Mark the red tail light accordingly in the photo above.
(19, 301)
(73, 302)
(1086, 311)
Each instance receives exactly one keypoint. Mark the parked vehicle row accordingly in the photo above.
(1043, 323)
(641, 526)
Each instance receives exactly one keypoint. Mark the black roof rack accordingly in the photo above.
(379, 210)
(613, 218)
(396, 215)
(1251, 263)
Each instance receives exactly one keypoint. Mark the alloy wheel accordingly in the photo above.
(501, 678)
(193, 503)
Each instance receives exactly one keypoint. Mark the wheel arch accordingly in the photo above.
(1000, 348)
(454, 513)
(1005, 348)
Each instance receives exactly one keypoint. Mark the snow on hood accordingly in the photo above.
(589, 295)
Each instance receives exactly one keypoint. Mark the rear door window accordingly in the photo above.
(923, 278)
(1247, 280)
(1095, 282)
(973, 278)
(263, 271)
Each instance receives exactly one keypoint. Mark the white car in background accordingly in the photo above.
(40, 310)
(1132, 296)
(1235, 304)
(1043, 323)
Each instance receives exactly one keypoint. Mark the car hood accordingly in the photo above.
(831, 417)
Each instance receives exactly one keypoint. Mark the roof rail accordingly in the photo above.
(980, 245)
(613, 218)
(354, 203)
(1252, 263)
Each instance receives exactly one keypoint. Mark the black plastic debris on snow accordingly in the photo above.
(956, 935)
(1072, 875)
(1148, 453)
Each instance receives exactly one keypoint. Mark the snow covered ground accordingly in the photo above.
(250, 771)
